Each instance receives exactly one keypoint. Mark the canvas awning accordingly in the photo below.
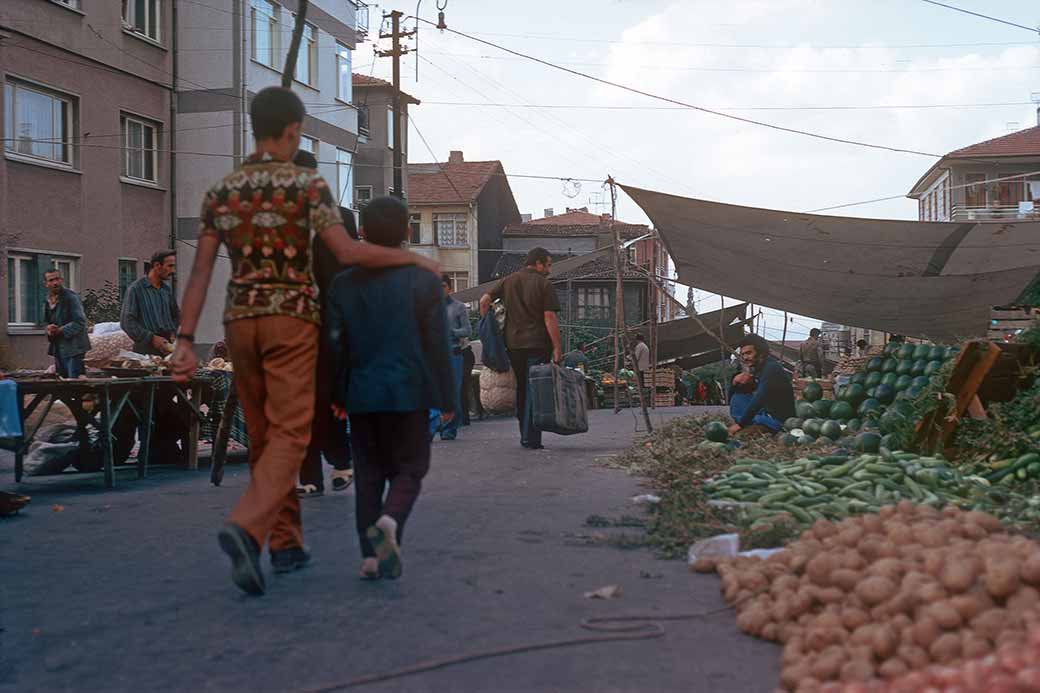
(924, 279)
(686, 337)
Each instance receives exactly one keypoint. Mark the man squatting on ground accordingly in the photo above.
(388, 331)
(761, 396)
(265, 214)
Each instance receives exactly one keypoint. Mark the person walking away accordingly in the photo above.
(861, 347)
(66, 327)
(641, 354)
(466, 398)
(149, 317)
(576, 359)
(532, 329)
(266, 213)
(459, 333)
(329, 437)
(810, 356)
(761, 396)
(388, 331)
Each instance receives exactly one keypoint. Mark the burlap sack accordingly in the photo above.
(497, 391)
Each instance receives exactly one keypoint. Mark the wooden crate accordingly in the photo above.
(1005, 323)
(664, 378)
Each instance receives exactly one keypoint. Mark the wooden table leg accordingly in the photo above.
(144, 451)
(193, 430)
(105, 434)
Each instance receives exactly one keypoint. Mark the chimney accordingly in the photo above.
(1038, 116)
(547, 212)
(605, 218)
(455, 157)
(524, 218)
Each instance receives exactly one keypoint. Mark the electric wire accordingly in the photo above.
(1034, 30)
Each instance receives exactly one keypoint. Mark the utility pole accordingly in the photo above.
(294, 46)
(395, 52)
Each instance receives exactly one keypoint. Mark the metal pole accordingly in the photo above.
(294, 45)
(395, 19)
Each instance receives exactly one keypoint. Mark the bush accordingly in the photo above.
(102, 305)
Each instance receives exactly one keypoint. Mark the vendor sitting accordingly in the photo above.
(761, 397)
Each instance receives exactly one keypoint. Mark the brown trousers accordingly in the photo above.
(274, 359)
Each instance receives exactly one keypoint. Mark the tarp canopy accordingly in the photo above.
(686, 337)
(934, 280)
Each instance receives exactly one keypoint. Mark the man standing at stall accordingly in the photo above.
(66, 327)
(266, 214)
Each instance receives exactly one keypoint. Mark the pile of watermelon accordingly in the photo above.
(874, 405)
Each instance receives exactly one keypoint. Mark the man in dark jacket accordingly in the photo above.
(387, 331)
(150, 313)
(761, 396)
(66, 327)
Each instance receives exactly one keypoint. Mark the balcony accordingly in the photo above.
(361, 24)
(1024, 211)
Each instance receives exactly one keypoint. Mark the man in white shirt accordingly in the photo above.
(641, 352)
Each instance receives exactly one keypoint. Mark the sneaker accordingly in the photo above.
(245, 559)
(288, 560)
(383, 535)
(309, 491)
(342, 479)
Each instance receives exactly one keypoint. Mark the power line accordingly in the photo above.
(411, 121)
(729, 116)
(604, 107)
(1034, 30)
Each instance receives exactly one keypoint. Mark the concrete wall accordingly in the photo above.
(375, 159)
(84, 211)
(450, 259)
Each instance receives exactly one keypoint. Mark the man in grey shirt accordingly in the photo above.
(459, 334)
(150, 314)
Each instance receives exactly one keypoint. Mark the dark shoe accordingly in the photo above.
(342, 479)
(447, 437)
(288, 560)
(245, 559)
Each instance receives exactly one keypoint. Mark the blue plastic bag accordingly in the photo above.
(10, 416)
(493, 345)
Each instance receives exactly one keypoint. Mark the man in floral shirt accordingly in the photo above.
(265, 214)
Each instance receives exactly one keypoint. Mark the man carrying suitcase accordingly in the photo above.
(532, 329)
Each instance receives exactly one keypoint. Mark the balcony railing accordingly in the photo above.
(362, 19)
(996, 213)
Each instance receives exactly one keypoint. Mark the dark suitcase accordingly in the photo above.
(558, 399)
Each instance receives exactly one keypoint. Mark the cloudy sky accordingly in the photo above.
(843, 68)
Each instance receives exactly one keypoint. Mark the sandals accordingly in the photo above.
(369, 569)
(308, 491)
(383, 535)
(342, 479)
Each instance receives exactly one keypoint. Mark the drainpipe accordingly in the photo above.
(172, 139)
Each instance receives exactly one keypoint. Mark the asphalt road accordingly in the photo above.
(126, 590)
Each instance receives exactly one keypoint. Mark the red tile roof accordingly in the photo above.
(450, 183)
(1022, 143)
(576, 217)
(574, 223)
(369, 81)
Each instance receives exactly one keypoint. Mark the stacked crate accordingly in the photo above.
(1005, 323)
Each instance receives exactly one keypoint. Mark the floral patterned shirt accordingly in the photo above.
(265, 213)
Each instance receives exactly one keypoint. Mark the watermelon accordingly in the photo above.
(922, 351)
(889, 379)
(793, 423)
(891, 348)
(885, 393)
(789, 440)
(889, 366)
(904, 367)
(951, 352)
(913, 392)
(868, 406)
(812, 427)
(806, 440)
(906, 351)
(904, 407)
(902, 382)
(812, 392)
(831, 429)
(867, 442)
(891, 421)
(870, 393)
(919, 367)
(854, 394)
(853, 425)
(936, 353)
(804, 410)
(822, 407)
(920, 381)
(892, 441)
(873, 380)
(931, 368)
(716, 432)
(842, 411)
(857, 378)
(874, 364)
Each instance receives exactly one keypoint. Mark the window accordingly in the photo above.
(344, 176)
(265, 31)
(309, 144)
(362, 195)
(975, 193)
(362, 119)
(143, 17)
(25, 292)
(140, 145)
(390, 128)
(343, 67)
(305, 57)
(39, 122)
(415, 224)
(593, 303)
(69, 3)
(127, 275)
(459, 281)
(450, 230)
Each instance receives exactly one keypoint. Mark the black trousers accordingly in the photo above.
(329, 437)
(391, 457)
(468, 361)
(521, 361)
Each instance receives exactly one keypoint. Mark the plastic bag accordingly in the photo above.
(106, 328)
(724, 546)
(10, 416)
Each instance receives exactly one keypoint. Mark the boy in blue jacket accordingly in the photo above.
(387, 330)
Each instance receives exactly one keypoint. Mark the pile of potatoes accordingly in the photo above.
(880, 595)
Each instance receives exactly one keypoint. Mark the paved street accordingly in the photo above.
(126, 590)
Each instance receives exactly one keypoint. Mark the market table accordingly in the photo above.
(99, 402)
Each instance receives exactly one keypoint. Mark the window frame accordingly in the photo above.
(70, 4)
(358, 202)
(415, 228)
(122, 262)
(341, 184)
(389, 127)
(344, 54)
(974, 187)
(455, 276)
(364, 120)
(308, 48)
(312, 149)
(595, 310)
(64, 119)
(256, 12)
(457, 218)
(33, 257)
(153, 15)
(125, 120)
